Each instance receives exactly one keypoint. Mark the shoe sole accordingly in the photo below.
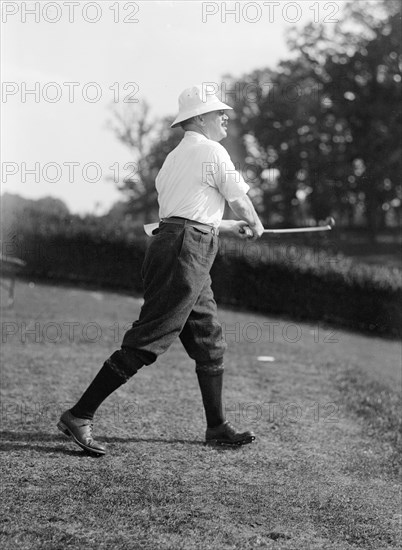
(67, 432)
(220, 443)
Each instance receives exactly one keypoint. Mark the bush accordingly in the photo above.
(298, 282)
(309, 284)
(82, 258)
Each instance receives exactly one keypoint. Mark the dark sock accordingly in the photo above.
(111, 376)
(211, 391)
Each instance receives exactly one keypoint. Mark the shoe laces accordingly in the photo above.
(89, 427)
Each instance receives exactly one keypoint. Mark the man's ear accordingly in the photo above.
(200, 119)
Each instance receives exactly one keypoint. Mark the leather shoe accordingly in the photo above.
(226, 434)
(80, 430)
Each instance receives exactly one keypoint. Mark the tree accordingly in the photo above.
(326, 123)
(285, 130)
(149, 141)
(365, 90)
(47, 214)
(358, 76)
(134, 128)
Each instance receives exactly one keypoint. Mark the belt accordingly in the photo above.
(205, 228)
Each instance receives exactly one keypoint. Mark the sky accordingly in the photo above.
(65, 64)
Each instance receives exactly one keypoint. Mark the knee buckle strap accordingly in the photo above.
(122, 365)
(209, 369)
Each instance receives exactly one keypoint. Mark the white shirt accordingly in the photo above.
(196, 178)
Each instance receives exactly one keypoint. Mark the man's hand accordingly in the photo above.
(237, 229)
(244, 209)
(251, 234)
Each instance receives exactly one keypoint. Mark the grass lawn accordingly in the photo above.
(322, 474)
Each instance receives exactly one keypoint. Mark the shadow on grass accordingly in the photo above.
(215, 447)
(19, 441)
(23, 441)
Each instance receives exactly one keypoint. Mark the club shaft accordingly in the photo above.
(299, 229)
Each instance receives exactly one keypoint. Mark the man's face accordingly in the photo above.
(215, 125)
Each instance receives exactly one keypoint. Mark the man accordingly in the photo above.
(193, 184)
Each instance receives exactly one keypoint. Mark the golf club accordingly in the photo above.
(327, 225)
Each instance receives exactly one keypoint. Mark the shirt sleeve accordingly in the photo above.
(224, 175)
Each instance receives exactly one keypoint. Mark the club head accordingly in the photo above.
(330, 222)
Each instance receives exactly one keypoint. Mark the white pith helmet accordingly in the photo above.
(197, 101)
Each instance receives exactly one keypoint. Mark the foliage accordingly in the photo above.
(149, 142)
(322, 133)
(319, 135)
(50, 217)
(298, 282)
(304, 283)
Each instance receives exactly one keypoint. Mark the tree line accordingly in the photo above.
(318, 135)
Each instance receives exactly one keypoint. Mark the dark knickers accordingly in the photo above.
(178, 301)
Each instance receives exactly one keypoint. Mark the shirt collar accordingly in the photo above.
(195, 135)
